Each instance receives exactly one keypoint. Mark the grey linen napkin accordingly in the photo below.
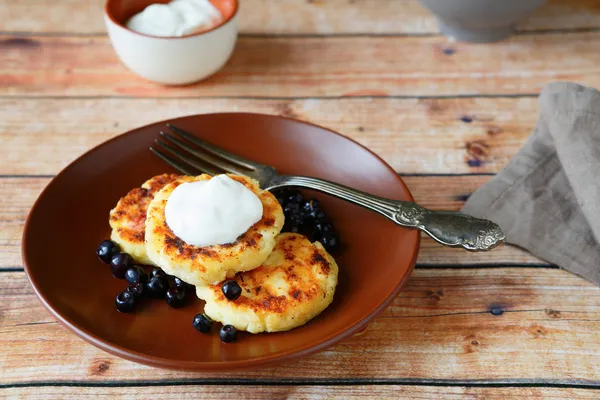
(547, 199)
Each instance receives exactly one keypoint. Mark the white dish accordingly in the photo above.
(172, 60)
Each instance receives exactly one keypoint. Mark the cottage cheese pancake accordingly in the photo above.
(128, 218)
(210, 264)
(295, 284)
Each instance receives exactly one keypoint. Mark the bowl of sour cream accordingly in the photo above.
(173, 42)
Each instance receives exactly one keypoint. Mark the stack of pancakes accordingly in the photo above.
(286, 280)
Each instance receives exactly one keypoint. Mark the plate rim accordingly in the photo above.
(212, 366)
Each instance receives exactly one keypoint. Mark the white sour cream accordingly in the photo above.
(212, 212)
(177, 18)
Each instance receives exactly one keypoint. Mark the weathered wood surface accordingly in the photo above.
(289, 17)
(465, 135)
(18, 194)
(351, 392)
(439, 327)
(446, 115)
(311, 67)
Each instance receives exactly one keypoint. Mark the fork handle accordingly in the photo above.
(449, 228)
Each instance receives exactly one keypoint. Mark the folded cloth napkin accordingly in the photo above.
(547, 199)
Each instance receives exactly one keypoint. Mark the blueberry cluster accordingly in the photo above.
(306, 217)
(203, 323)
(156, 285)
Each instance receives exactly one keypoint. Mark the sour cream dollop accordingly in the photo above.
(177, 18)
(216, 211)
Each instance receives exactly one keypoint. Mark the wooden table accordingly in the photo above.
(445, 115)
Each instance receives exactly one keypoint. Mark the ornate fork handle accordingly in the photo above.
(453, 229)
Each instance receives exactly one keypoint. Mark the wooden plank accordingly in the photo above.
(439, 327)
(294, 16)
(298, 392)
(41, 136)
(18, 194)
(311, 67)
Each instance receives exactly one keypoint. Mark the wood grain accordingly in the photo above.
(297, 392)
(439, 327)
(18, 194)
(289, 17)
(41, 136)
(311, 67)
(378, 72)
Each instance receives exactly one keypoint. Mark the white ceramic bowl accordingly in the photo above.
(171, 60)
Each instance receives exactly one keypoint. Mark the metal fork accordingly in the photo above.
(192, 155)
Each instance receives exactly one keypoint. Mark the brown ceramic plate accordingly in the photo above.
(70, 219)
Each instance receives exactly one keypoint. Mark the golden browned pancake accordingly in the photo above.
(128, 218)
(201, 266)
(292, 286)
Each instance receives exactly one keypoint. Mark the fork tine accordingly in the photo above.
(215, 149)
(207, 158)
(172, 162)
(185, 158)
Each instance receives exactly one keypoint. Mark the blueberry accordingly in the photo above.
(120, 263)
(281, 199)
(293, 228)
(202, 323)
(136, 274)
(228, 333)
(318, 216)
(106, 250)
(323, 227)
(125, 302)
(157, 286)
(231, 289)
(311, 206)
(291, 209)
(295, 198)
(136, 289)
(281, 195)
(158, 272)
(181, 284)
(291, 225)
(329, 240)
(175, 297)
